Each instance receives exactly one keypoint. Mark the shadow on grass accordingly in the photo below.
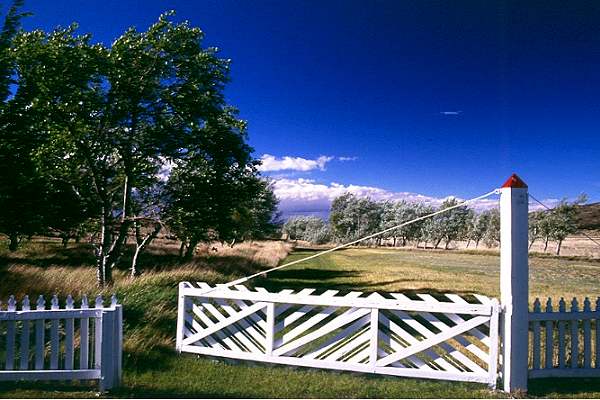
(555, 387)
(325, 279)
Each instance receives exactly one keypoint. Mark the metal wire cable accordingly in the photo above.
(263, 273)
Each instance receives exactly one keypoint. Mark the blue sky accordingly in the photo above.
(432, 98)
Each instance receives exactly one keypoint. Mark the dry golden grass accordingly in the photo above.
(429, 271)
(43, 267)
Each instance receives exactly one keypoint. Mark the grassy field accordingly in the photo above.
(152, 369)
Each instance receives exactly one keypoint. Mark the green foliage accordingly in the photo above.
(353, 217)
(310, 229)
(90, 129)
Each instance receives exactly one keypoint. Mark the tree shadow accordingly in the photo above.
(82, 255)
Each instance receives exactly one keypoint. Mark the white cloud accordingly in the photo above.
(347, 158)
(307, 195)
(272, 163)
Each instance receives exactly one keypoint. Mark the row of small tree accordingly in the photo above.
(353, 217)
(554, 224)
(118, 142)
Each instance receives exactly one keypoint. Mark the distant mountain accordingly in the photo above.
(588, 216)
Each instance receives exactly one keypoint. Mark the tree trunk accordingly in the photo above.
(477, 243)
(65, 240)
(468, 243)
(546, 244)
(182, 248)
(558, 247)
(447, 244)
(189, 252)
(140, 245)
(437, 244)
(13, 245)
(394, 245)
(531, 244)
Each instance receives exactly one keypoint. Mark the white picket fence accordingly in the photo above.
(61, 344)
(450, 338)
(565, 343)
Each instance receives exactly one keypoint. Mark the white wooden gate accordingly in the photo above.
(447, 338)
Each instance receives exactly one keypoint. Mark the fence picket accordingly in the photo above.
(562, 343)
(587, 336)
(84, 336)
(536, 336)
(69, 336)
(574, 335)
(99, 303)
(108, 340)
(40, 328)
(583, 326)
(54, 335)
(25, 306)
(549, 336)
(10, 336)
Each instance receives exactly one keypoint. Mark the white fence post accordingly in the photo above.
(181, 310)
(107, 365)
(514, 283)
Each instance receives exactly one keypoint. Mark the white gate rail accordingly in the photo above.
(84, 343)
(562, 341)
(391, 334)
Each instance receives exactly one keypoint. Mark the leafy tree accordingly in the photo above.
(563, 220)
(478, 228)
(21, 187)
(492, 233)
(108, 118)
(310, 229)
(256, 215)
(352, 217)
(213, 193)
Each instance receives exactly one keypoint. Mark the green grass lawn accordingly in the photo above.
(153, 369)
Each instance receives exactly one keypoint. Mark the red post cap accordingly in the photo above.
(514, 182)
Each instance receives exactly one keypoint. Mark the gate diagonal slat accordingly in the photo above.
(416, 325)
(396, 329)
(284, 307)
(249, 335)
(293, 317)
(309, 323)
(260, 323)
(350, 295)
(427, 334)
(247, 330)
(189, 319)
(220, 335)
(452, 351)
(280, 307)
(350, 346)
(345, 318)
(238, 334)
(338, 339)
(432, 341)
(464, 341)
(220, 325)
(457, 319)
(306, 324)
